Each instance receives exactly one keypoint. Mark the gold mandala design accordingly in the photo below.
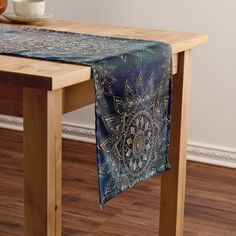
(132, 149)
(132, 81)
(138, 143)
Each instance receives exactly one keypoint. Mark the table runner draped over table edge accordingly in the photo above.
(132, 81)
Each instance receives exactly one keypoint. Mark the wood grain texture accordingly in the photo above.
(53, 75)
(74, 96)
(42, 162)
(210, 197)
(77, 96)
(173, 182)
(180, 41)
(47, 75)
(11, 98)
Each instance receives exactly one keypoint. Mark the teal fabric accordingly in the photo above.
(132, 81)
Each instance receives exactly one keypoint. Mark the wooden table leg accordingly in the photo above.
(42, 162)
(173, 182)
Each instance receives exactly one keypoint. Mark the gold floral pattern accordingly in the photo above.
(132, 80)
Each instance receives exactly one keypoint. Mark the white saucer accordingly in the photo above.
(20, 19)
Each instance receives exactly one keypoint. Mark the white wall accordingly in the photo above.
(213, 89)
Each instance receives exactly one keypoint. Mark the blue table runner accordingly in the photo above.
(132, 81)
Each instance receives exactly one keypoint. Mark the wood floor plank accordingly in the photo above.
(210, 197)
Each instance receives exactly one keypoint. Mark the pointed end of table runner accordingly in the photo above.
(107, 197)
(101, 207)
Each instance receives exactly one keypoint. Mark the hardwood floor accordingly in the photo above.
(210, 199)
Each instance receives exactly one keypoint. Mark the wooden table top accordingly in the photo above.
(48, 75)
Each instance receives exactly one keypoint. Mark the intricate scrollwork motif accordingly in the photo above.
(138, 144)
(132, 81)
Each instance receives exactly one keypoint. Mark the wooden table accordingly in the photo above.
(41, 91)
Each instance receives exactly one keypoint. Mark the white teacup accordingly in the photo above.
(29, 8)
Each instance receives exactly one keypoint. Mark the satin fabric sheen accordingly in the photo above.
(132, 81)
